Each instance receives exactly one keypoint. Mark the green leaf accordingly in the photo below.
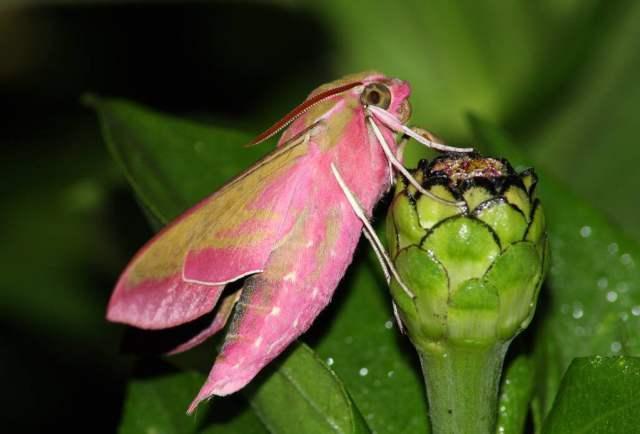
(152, 150)
(465, 55)
(156, 402)
(302, 395)
(591, 301)
(598, 395)
(515, 396)
(171, 163)
(593, 120)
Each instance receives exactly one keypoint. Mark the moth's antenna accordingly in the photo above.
(299, 111)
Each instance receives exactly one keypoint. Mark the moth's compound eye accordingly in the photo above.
(376, 94)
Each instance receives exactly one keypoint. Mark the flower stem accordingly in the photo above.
(462, 386)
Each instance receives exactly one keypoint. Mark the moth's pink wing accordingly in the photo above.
(180, 273)
(299, 279)
(219, 320)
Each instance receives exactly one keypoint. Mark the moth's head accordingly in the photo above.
(390, 94)
(374, 88)
(365, 88)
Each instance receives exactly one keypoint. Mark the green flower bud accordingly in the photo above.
(474, 254)
(475, 266)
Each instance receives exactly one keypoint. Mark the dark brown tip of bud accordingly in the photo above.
(468, 166)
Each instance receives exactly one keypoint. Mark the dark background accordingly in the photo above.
(561, 76)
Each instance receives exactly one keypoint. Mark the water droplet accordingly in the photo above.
(445, 355)
(626, 259)
(330, 361)
(585, 231)
(388, 325)
(348, 339)
(624, 316)
(635, 311)
(612, 296)
(612, 248)
(564, 309)
(578, 312)
(503, 408)
(616, 347)
(363, 372)
(603, 282)
(370, 416)
(390, 374)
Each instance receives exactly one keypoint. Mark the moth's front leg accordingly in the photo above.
(370, 233)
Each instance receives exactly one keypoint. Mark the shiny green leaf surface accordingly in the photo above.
(156, 400)
(515, 396)
(598, 395)
(302, 394)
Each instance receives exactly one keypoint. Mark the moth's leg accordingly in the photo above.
(427, 134)
(372, 236)
(390, 121)
(400, 168)
(396, 315)
(383, 264)
(402, 144)
(417, 133)
(392, 179)
(219, 320)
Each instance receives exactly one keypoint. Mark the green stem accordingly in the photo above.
(462, 386)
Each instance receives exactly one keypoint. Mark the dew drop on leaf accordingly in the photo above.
(585, 231)
(616, 347)
(626, 259)
(578, 312)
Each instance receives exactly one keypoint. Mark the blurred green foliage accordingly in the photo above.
(560, 76)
